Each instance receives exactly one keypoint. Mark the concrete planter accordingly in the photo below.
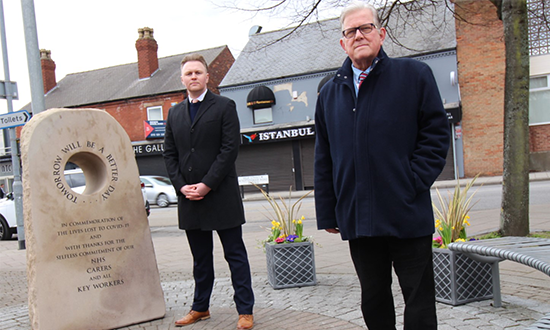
(290, 265)
(459, 279)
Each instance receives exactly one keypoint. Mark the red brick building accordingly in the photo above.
(135, 94)
(481, 68)
(481, 73)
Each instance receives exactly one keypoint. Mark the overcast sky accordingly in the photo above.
(88, 35)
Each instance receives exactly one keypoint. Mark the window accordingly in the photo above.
(538, 13)
(154, 113)
(262, 116)
(539, 100)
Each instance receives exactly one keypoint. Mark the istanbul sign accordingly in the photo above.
(279, 135)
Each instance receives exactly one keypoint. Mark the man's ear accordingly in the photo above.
(343, 44)
(382, 35)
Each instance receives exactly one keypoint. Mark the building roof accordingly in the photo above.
(121, 82)
(315, 47)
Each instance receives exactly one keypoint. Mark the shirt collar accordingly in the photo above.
(200, 98)
(357, 72)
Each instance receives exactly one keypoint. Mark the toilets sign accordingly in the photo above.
(14, 119)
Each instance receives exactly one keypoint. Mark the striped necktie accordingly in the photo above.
(362, 77)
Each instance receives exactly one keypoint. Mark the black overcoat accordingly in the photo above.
(205, 151)
(377, 154)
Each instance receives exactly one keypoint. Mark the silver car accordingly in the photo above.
(159, 190)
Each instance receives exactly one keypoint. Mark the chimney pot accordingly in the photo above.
(147, 47)
(45, 54)
(48, 70)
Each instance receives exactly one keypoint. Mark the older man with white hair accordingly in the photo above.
(382, 140)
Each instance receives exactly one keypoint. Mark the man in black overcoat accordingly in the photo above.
(201, 144)
(382, 137)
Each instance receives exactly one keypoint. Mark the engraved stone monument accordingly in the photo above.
(90, 257)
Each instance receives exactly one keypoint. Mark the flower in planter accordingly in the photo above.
(452, 216)
(284, 226)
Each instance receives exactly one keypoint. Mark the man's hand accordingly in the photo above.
(195, 192)
(332, 230)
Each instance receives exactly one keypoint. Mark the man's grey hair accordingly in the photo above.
(357, 5)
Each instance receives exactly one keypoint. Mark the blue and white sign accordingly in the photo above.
(14, 119)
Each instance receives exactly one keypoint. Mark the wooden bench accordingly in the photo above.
(530, 251)
(259, 180)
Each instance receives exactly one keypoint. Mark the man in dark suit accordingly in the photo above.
(201, 144)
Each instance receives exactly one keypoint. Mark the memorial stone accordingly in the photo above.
(90, 258)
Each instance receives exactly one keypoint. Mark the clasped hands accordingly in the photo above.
(195, 192)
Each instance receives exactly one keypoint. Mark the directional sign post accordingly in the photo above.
(14, 119)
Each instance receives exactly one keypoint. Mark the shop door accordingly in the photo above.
(273, 159)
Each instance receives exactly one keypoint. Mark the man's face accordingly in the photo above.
(194, 77)
(362, 49)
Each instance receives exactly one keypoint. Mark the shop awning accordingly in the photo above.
(454, 112)
(260, 97)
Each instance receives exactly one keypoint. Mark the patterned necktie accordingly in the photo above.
(362, 77)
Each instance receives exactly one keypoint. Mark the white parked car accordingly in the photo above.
(75, 180)
(159, 190)
(8, 224)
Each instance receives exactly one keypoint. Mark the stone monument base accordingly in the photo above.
(90, 257)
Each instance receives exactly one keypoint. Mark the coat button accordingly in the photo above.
(190, 169)
(192, 130)
(192, 149)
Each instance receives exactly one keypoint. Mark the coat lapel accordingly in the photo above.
(185, 112)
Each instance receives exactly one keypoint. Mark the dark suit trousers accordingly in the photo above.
(201, 244)
(412, 260)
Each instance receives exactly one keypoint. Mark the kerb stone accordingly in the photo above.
(90, 257)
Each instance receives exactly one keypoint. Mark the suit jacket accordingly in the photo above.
(205, 151)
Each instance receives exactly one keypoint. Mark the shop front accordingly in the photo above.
(285, 154)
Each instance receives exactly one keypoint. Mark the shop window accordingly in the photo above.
(262, 116)
(154, 113)
(539, 100)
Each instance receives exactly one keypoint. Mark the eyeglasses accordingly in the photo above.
(364, 29)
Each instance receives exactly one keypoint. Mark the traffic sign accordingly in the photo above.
(13, 119)
(4, 87)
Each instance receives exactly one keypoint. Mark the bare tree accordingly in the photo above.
(513, 13)
(514, 216)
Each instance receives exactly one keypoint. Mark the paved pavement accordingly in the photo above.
(332, 304)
